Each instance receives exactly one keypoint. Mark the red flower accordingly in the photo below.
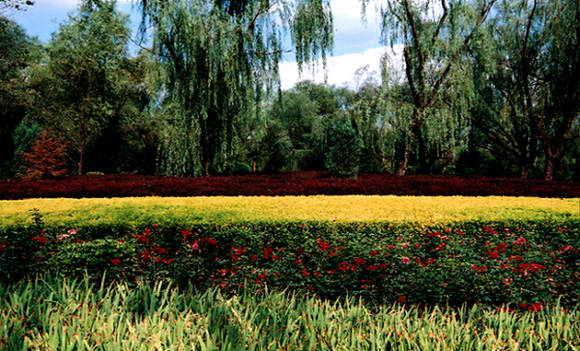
(147, 231)
(359, 261)
(40, 239)
(523, 305)
(115, 261)
(185, 233)
(493, 254)
(500, 247)
(304, 274)
(490, 230)
(373, 253)
(141, 238)
(535, 307)
(262, 276)
(401, 299)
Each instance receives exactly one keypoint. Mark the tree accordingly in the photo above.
(221, 60)
(561, 74)
(84, 82)
(46, 158)
(435, 36)
(529, 80)
(17, 53)
(343, 153)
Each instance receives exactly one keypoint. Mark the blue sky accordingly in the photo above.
(356, 44)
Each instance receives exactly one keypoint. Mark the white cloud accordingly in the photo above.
(340, 69)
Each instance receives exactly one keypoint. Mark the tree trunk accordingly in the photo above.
(81, 159)
(549, 169)
(524, 171)
(402, 167)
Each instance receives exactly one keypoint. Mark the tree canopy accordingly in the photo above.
(221, 61)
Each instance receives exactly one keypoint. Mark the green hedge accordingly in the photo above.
(473, 262)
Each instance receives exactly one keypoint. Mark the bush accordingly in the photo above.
(343, 154)
(469, 263)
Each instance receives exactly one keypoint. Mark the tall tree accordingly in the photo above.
(435, 36)
(529, 80)
(221, 59)
(17, 53)
(83, 83)
(561, 74)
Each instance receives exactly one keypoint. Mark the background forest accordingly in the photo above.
(488, 87)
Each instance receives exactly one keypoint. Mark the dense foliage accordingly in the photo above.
(467, 87)
(468, 263)
(286, 183)
(76, 314)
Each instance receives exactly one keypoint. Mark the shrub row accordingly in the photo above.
(468, 263)
(184, 211)
(288, 183)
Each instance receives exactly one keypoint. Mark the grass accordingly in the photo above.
(68, 314)
(395, 209)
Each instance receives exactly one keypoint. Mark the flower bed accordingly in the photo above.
(287, 183)
(524, 267)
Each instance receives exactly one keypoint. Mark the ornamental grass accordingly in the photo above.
(49, 313)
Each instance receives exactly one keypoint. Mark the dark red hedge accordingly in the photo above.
(286, 183)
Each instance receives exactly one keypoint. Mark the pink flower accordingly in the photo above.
(405, 260)
(405, 245)
(72, 231)
(520, 241)
(195, 246)
(62, 237)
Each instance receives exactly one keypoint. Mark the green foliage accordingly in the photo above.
(434, 37)
(18, 52)
(221, 62)
(468, 263)
(93, 258)
(343, 153)
(85, 81)
(524, 121)
(49, 312)
(22, 138)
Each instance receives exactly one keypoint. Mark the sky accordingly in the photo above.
(356, 44)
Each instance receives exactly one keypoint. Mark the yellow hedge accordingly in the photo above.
(219, 209)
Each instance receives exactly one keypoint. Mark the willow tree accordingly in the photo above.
(221, 61)
(435, 36)
(529, 80)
